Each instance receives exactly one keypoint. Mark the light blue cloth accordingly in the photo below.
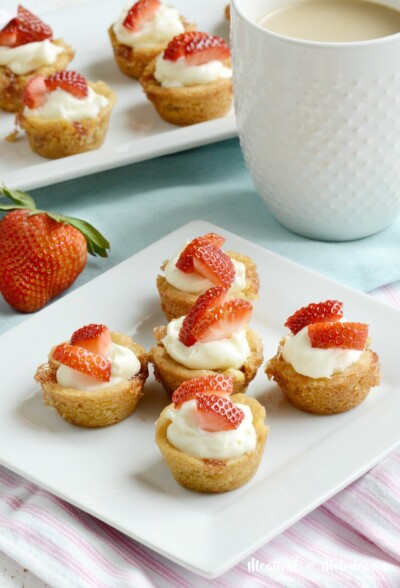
(136, 205)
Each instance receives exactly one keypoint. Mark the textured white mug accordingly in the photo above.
(319, 125)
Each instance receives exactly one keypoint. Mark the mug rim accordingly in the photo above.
(314, 44)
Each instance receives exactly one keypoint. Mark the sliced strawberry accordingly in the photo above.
(82, 360)
(185, 261)
(222, 321)
(220, 385)
(328, 311)
(70, 81)
(8, 35)
(95, 338)
(39, 87)
(196, 48)
(35, 92)
(31, 28)
(338, 335)
(215, 265)
(140, 13)
(217, 413)
(211, 298)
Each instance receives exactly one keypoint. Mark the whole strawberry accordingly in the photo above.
(41, 253)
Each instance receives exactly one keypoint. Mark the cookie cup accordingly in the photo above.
(95, 408)
(214, 475)
(12, 85)
(172, 374)
(132, 61)
(55, 138)
(176, 303)
(188, 105)
(323, 396)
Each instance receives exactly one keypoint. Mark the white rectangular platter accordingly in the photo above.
(117, 473)
(136, 131)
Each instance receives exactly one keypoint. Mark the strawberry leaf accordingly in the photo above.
(96, 243)
(20, 199)
(6, 207)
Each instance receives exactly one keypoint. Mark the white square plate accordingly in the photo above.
(117, 473)
(136, 131)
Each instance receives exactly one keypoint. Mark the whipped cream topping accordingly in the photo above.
(213, 355)
(314, 362)
(62, 104)
(185, 434)
(159, 30)
(124, 365)
(26, 58)
(175, 74)
(195, 284)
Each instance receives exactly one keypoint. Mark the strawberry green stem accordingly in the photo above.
(96, 243)
(20, 199)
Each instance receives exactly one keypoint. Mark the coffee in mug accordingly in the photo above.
(334, 21)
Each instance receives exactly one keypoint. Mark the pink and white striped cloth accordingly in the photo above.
(353, 540)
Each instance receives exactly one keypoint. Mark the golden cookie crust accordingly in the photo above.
(323, 396)
(214, 475)
(172, 374)
(12, 85)
(176, 303)
(190, 104)
(55, 138)
(133, 61)
(95, 408)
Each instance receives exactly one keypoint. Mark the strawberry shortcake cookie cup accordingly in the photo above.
(213, 338)
(96, 379)
(64, 114)
(142, 32)
(27, 49)
(190, 82)
(211, 441)
(324, 366)
(200, 265)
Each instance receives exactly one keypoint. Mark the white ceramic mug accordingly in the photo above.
(319, 125)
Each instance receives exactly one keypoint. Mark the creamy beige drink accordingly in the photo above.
(334, 20)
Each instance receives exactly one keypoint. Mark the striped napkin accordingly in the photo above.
(352, 540)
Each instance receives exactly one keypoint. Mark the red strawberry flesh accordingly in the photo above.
(39, 258)
(215, 265)
(140, 13)
(8, 35)
(84, 361)
(330, 310)
(222, 321)
(25, 28)
(196, 48)
(346, 335)
(218, 413)
(35, 92)
(220, 384)
(30, 28)
(42, 253)
(70, 81)
(185, 261)
(93, 337)
(211, 298)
